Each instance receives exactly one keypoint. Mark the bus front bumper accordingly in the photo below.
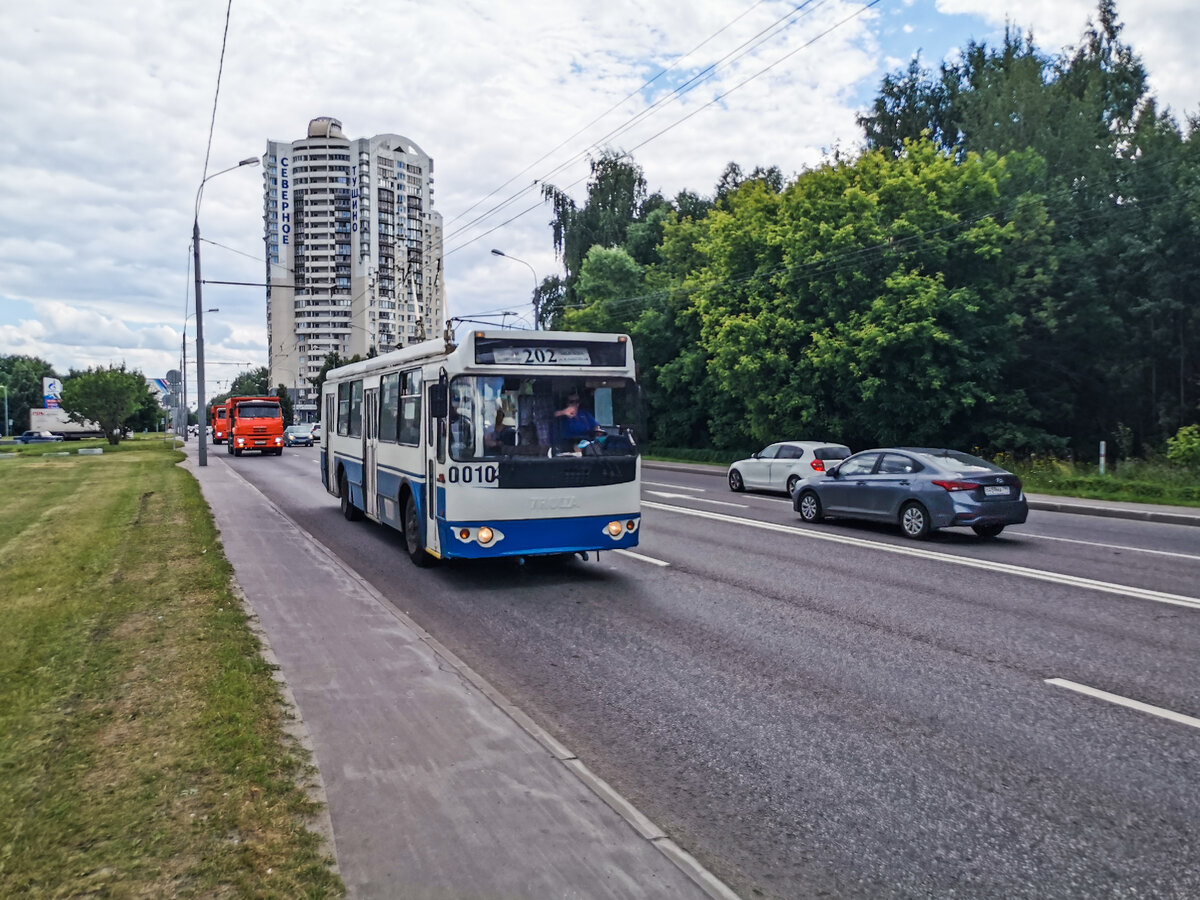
(533, 537)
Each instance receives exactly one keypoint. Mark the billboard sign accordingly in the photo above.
(51, 393)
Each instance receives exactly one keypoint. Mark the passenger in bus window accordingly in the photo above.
(503, 433)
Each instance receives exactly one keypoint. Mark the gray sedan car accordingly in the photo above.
(919, 488)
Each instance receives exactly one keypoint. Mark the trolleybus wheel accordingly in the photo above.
(412, 534)
(350, 512)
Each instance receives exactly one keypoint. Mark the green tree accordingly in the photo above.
(22, 376)
(286, 406)
(672, 364)
(615, 193)
(254, 383)
(551, 302)
(148, 416)
(110, 397)
(1110, 333)
(873, 301)
(609, 282)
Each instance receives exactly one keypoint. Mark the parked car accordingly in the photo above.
(919, 488)
(316, 431)
(298, 436)
(37, 437)
(779, 467)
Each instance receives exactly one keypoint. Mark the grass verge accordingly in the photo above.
(142, 751)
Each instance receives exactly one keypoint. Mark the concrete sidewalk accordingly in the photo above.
(1146, 512)
(437, 787)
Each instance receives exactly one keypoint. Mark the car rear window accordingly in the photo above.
(963, 462)
(831, 453)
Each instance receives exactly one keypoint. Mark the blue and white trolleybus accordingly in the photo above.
(507, 443)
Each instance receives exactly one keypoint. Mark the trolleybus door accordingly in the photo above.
(370, 443)
(435, 457)
(328, 426)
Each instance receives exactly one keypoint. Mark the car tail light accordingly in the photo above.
(957, 485)
(818, 465)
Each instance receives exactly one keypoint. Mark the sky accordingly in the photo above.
(107, 108)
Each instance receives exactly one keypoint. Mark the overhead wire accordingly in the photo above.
(737, 53)
(615, 106)
(216, 95)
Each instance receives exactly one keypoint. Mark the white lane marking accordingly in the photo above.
(1122, 547)
(677, 487)
(966, 561)
(1125, 701)
(697, 499)
(638, 556)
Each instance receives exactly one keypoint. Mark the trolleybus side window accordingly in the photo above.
(389, 406)
(356, 408)
(343, 419)
(410, 408)
(350, 395)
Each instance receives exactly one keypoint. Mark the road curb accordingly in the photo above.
(1143, 515)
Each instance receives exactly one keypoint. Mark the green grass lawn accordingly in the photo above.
(142, 749)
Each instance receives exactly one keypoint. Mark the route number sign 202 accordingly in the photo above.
(542, 356)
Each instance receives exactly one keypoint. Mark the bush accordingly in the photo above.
(1184, 448)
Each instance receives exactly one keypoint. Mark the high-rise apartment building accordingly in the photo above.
(354, 251)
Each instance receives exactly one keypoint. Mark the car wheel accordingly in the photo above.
(987, 531)
(735, 481)
(350, 512)
(914, 521)
(792, 481)
(412, 534)
(809, 507)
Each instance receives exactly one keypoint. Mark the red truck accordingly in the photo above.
(216, 418)
(254, 423)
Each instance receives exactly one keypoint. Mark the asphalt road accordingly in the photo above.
(834, 711)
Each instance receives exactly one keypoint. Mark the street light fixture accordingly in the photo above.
(536, 324)
(249, 161)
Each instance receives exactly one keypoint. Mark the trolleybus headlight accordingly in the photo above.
(614, 529)
(485, 535)
(464, 534)
(630, 525)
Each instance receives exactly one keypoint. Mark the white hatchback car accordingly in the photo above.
(781, 466)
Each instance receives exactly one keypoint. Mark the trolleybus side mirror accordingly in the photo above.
(439, 401)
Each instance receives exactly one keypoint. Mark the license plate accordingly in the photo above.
(995, 490)
(260, 443)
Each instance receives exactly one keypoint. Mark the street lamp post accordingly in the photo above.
(5, 386)
(536, 323)
(250, 161)
(183, 370)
